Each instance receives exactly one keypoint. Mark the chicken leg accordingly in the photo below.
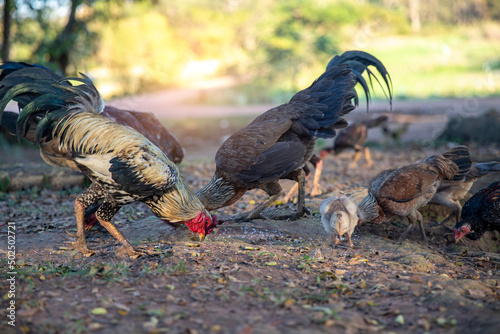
(104, 214)
(82, 202)
(300, 178)
(368, 157)
(317, 162)
(413, 218)
(273, 189)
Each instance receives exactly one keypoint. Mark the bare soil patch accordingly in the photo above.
(264, 276)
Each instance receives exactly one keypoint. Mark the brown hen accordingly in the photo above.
(402, 191)
(278, 143)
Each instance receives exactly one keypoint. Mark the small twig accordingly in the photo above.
(340, 246)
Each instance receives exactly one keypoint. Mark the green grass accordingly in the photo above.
(452, 62)
(458, 63)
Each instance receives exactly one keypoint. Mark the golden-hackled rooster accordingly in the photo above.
(278, 143)
(123, 165)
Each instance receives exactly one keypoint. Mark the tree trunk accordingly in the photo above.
(8, 8)
(414, 8)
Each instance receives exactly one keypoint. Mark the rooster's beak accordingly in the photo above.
(202, 236)
(458, 239)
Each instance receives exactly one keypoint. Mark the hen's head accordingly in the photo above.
(202, 224)
(461, 231)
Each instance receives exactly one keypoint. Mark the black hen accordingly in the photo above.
(480, 213)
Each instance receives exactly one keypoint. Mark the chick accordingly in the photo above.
(338, 215)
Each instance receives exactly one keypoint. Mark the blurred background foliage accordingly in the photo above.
(265, 49)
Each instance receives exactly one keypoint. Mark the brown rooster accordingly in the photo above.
(123, 165)
(404, 190)
(450, 192)
(354, 136)
(480, 213)
(278, 143)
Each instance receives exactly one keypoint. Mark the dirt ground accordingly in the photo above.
(265, 276)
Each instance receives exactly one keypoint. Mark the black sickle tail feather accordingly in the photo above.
(8, 121)
(327, 100)
(44, 97)
(10, 66)
(359, 62)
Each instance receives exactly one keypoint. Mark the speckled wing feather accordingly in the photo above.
(115, 153)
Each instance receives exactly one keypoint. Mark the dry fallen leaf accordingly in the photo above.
(99, 311)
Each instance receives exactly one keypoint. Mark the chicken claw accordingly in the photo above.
(81, 246)
(131, 252)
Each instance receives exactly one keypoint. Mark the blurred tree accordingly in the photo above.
(414, 9)
(60, 49)
(8, 8)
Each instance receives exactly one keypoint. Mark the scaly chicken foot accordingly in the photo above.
(103, 215)
(403, 235)
(256, 212)
(81, 242)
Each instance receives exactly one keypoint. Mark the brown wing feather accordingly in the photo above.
(404, 184)
(244, 148)
(351, 136)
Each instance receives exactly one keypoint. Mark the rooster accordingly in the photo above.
(404, 190)
(122, 164)
(450, 192)
(338, 216)
(354, 136)
(278, 143)
(145, 123)
(480, 213)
